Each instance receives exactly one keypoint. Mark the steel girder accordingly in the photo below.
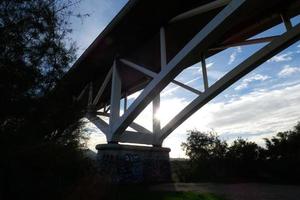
(115, 128)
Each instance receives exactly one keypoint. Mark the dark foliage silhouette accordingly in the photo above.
(40, 137)
(215, 160)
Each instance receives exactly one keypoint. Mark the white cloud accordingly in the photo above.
(258, 112)
(285, 84)
(287, 70)
(170, 91)
(134, 95)
(246, 81)
(232, 56)
(210, 64)
(198, 66)
(254, 116)
(211, 73)
(281, 57)
(298, 51)
(215, 74)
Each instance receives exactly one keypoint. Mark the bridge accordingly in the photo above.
(149, 43)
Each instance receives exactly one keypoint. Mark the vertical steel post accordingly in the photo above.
(156, 100)
(105, 108)
(204, 72)
(90, 100)
(125, 102)
(163, 52)
(114, 99)
(286, 21)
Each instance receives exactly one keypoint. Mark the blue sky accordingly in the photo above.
(265, 101)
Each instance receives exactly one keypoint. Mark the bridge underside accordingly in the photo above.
(144, 49)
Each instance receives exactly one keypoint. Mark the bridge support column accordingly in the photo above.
(123, 164)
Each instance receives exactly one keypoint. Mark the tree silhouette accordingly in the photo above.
(213, 159)
(39, 132)
(35, 52)
(285, 145)
(204, 146)
(244, 151)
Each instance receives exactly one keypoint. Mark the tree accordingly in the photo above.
(285, 145)
(35, 52)
(283, 155)
(206, 152)
(244, 151)
(39, 132)
(204, 146)
(243, 160)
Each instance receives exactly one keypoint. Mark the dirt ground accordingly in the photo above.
(241, 191)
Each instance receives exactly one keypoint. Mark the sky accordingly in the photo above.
(259, 105)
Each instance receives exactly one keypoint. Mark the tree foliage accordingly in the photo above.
(213, 159)
(244, 151)
(35, 52)
(285, 145)
(204, 146)
(40, 135)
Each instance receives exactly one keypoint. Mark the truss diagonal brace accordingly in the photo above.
(187, 87)
(139, 128)
(200, 10)
(100, 123)
(136, 137)
(153, 75)
(242, 69)
(82, 93)
(221, 23)
(103, 86)
(133, 125)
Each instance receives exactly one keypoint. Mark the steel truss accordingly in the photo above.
(116, 128)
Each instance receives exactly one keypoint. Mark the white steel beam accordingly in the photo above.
(125, 102)
(156, 101)
(163, 50)
(153, 75)
(136, 137)
(103, 86)
(106, 108)
(133, 125)
(204, 72)
(231, 77)
(156, 121)
(245, 42)
(115, 98)
(155, 116)
(286, 21)
(187, 87)
(221, 23)
(102, 114)
(82, 93)
(99, 123)
(90, 100)
(138, 68)
(200, 10)
(139, 128)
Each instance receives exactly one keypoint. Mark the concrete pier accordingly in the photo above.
(122, 164)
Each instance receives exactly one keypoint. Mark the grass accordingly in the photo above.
(154, 195)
